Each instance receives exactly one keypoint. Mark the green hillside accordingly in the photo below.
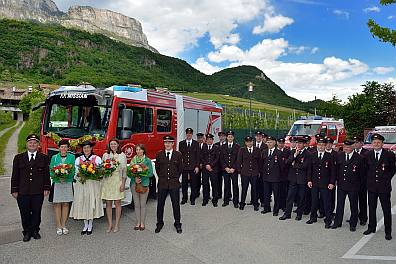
(33, 53)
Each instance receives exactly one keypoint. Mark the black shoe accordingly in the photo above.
(214, 204)
(348, 220)
(179, 230)
(26, 237)
(284, 217)
(368, 232)
(328, 225)
(256, 208)
(335, 226)
(204, 203)
(311, 221)
(298, 218)
(363, 223)
(262, 205)
(183, 202)
(225, 204)
(321, 216)
(250, 203)
(236, 205)
(192, 202)
(89, 232)
(158, 229)
(36, 235)
(352, 228)
(84, 232)
(265, 211)
(275, 214)
(241, 207)
(388, 237)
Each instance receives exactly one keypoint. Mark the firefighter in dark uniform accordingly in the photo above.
(284, 184)
(321, 181)
(222, 140)
(358, 148)
(228, 161)
(201, 143)
(210, 166)
(273, 166)
(380, 170)
(169, 167)
(330, 149)
(189, 148)
(308, 196)
(300, 169)
(249, 158)
(350, 171)
(30, 182)
(260, 143)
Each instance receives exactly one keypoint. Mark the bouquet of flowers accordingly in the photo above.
(61, 172)
(88, 170)
(109, 166)
(138, 170)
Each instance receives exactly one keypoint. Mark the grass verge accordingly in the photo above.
(3, 144)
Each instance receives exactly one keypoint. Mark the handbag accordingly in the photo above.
(140, 188)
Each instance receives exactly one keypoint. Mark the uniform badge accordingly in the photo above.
(354, 168)
(383, 166)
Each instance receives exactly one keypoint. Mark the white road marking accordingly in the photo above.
(352, 253)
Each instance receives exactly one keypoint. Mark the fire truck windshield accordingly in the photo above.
(74, 121)
(304, 129)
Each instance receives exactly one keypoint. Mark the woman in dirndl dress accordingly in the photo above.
(87, 203)
(113, 187)
(63, 189)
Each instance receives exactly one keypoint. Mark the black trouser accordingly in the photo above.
(385, 199)
(245, 185)
(152, 188)
(175, 199)
(325, 198)
(333, 199)
(30, 210)
(228, 178)
(186, 174)
(269, 188)
(259, 190)
(295, 190)
(283, 188)
(307, 200)
(353, 201)
(220, 184)
(212, 176)
(363, 203)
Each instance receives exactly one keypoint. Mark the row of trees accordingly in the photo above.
(375, 106)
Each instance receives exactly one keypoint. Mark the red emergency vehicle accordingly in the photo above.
(312, 125)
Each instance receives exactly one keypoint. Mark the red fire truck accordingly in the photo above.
(312, 125)
(130, 113)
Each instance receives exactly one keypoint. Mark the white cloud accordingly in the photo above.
(341, 13)
(391, 17)
(383, 70)
(273, 24)
(314, 50)
(202, 65)
(372, 9)
(302, 49)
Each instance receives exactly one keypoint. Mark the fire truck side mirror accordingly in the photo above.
(127, 118)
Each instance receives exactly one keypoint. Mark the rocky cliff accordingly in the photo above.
(106, 22)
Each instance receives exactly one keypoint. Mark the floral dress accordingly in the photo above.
(111, 185)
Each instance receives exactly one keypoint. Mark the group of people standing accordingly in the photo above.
(31, 181)
(310, 178)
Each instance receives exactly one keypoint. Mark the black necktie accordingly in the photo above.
(31, 157)
(189, 144)
(168, 155)
(210, 147)
(270, 154)
(347, 157)
(250, 151)
(376, 156)
(229, 145)
(320, 156)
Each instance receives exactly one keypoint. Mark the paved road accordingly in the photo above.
(6, 129)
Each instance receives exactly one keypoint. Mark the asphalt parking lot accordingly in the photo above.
(210, 235)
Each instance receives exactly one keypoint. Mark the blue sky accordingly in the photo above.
(309, 47)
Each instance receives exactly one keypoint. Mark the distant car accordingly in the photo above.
(388, 132)
(312, 125)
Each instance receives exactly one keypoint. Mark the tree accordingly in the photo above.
(383, 33)
(332, 108)
(30, 100)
